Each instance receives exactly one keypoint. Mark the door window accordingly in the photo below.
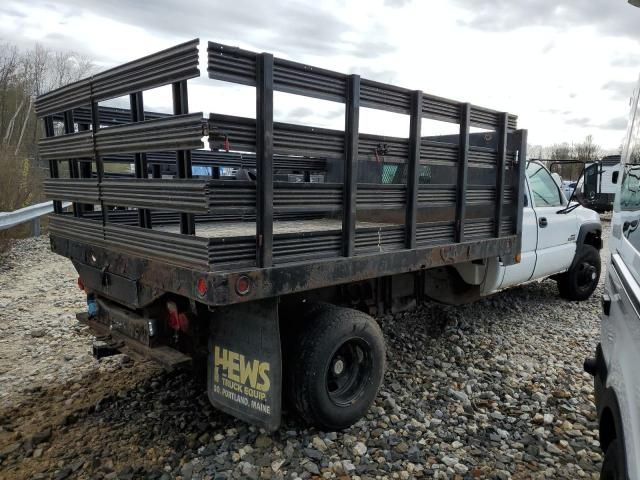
(630, 202)
(544, 189)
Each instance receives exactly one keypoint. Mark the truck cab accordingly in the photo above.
(560, 239)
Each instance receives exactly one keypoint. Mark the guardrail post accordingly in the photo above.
(264, 159)
(53, 164)
(463, 164)
(140, 159)
(35, 227)
(502, 161)
(352, 120)
(413, 168)
(183, 157)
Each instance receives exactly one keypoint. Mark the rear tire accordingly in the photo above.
(335, 367)
(613, 467)
(581, 280)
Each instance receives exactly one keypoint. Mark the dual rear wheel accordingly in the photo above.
(334, 366)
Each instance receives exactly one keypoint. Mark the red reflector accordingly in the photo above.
(177, 320)
(80, 284)
(243, 285)
(201, 286)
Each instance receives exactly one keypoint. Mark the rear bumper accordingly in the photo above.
(124, 331)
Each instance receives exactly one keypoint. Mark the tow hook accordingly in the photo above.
(590, 366)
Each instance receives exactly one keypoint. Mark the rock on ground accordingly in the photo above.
(489, 390)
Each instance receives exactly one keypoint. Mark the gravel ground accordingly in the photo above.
(490, 390)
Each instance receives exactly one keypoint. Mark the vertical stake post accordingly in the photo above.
(520, 142)
(85, 166)
(95, 126)
(69, 129)
(352, 119)
(54, 171)
(413, 168)
(264, 159)
(463, 167)
(140, 159)
(501, 164)
(183, 157)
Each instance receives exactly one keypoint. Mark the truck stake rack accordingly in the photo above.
(450, 200)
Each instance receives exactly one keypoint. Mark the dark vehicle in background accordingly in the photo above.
(597, 185)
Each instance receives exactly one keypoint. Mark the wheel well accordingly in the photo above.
(594, 238)
(607, 428)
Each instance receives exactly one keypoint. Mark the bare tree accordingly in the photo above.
(575, 155)
(8, 67)
(23, 76)
(587, 151)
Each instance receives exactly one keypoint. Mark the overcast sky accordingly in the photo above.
(566, 68)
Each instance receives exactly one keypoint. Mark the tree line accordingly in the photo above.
(25, 74)
(577, 153)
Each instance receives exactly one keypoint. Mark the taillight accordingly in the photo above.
(80, 284)
(243, 285)
(201, 286)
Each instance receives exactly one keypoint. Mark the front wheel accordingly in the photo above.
(581, 280)
(336, 367)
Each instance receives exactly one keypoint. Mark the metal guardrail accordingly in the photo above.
(32, 213)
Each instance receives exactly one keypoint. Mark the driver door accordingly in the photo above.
(556, 243)
(626, 247)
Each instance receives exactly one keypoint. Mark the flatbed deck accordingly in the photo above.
(248, 229)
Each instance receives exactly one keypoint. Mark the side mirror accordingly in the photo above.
(614, 177)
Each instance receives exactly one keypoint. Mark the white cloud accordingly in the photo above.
(549, 73)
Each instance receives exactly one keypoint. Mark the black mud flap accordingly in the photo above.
(245, 362)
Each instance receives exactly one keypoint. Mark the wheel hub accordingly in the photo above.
(338, 366)
(587, 274)
(348, 372)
